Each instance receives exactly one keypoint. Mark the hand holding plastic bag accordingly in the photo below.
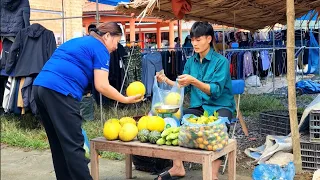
(164, 94)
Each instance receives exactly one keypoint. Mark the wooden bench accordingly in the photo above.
(167, 152)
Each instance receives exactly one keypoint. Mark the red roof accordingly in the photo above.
(91, 7)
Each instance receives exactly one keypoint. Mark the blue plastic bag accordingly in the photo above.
(274, 172)
(86, 145)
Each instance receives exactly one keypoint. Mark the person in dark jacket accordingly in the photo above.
(58, 90)
(31, 49)
(15, 15)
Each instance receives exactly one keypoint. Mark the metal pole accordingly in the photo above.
(302, 44)
(273, 63)
(223, 42)
(63, 28)
(319, 44)
(126, 72)
(98, 19)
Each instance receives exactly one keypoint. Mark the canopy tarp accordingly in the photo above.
(110, 2)
(246, 14)
(311, 15)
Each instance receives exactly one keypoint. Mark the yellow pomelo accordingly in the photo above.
(125, 120)
(128, 132)
(142, 123)
(156, 123)
(111, 130)
(136, 88)
(172, 98)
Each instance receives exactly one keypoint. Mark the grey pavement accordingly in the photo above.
(18, 164)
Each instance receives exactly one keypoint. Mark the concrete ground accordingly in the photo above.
(17, 164)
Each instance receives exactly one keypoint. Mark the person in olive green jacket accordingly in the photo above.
(207, 76)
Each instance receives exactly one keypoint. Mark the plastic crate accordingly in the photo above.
(275, 122)
(315, 135)
(314, 125)
(310, 155)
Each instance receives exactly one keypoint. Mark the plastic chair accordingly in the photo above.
(237, 89)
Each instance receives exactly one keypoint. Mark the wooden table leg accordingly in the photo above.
(207, 168)
(128, 166)
(232, 165)
(94, 162)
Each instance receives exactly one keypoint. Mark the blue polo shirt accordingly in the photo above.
(70, 68)
(214, 70)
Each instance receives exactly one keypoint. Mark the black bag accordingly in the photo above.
(149, 164)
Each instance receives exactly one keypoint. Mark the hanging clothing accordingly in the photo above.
(247, 64)
(15, 15)
(20, 100)
(313, 62)
(181, 7)
(151, 63)
(7, 43)
(27, 95)
(116, 71)
(8, 96)
(265, 60)
(31, 49)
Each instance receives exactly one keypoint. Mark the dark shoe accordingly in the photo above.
(166, 176)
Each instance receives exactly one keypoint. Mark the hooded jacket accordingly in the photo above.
(32, 48)
(15, 15)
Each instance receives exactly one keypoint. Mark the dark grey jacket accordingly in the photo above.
(15, 15)
(31, 49)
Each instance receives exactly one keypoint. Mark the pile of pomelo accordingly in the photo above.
(126, 128)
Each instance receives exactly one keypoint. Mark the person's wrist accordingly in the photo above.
(165, 79)
(193, 80)
(125, 100)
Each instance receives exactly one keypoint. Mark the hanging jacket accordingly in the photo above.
(15, 15)
(7, 43)
(27, 95)
(313, 59)
(151, 63)
(32, 48)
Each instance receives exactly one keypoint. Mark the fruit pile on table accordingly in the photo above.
(200, 132)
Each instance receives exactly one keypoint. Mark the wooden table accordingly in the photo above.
(166, 152)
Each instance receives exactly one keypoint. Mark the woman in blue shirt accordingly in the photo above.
(206, 75)
(58, 90)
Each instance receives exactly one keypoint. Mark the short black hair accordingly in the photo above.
(200, 28)
(91, 27)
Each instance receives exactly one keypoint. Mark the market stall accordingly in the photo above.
(249, 15)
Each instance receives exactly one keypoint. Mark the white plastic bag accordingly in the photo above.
(253, 81)
(164, 94)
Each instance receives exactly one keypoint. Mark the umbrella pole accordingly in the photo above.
(291, 87)
(98, 20)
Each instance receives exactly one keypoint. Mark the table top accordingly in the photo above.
(136, 143)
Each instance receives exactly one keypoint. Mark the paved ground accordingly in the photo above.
(17, 164)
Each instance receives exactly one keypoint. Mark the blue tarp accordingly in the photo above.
(308, 87)
(307, 16)
(313, 61)
(110, 2)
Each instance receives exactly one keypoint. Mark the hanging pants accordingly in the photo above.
(61, 119)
